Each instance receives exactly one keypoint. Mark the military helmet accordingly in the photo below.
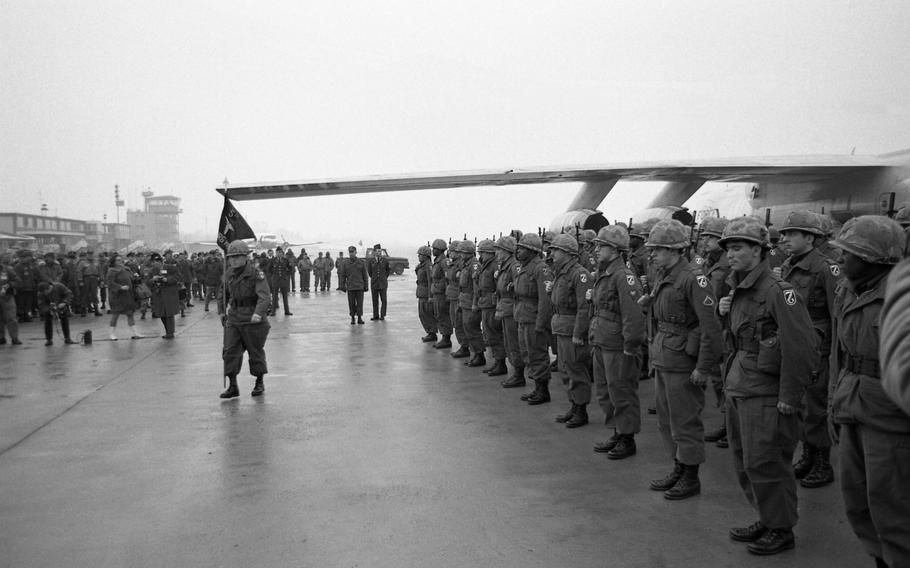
(467, 246)
(749, 229)
(827, 224)
(506, 243)
(805, 221)
(773, 235)
(238, 248)
(425, 251)
(668, 233)
(486, 245)
(455, 246)
(530, 241)
(548, 237)
(903, 216)
(873, 238)
(613, 235)
(713, 227)
(565, 242)
(440, 244)
(638, 230)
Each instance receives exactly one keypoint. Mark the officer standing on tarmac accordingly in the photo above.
(569, 323)
(872, 431)
(425, 310)
(354, 280)
(716, 267)
(815, 278)
(438, 293)
(246, 326)
(772, 353)
(281, 280)
(453, 271)
(685, 350)
(505, 309)
(532, 314)
(485, 302)
(378, 269)
(616, 331)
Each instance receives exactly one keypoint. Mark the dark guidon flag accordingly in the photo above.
(232, 226)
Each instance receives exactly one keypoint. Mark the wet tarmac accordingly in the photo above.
(369, 449)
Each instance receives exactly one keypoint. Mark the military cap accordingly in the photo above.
(613, 235)
(873, 238)
(377, 246)
(748, 229)
(668, 233)
(506, 243)
(440, 244)
(154, 256)
(351, 248)
(424, 251)
(713, 227)
(530, 241)
(486, 245)
(565, 242)
(805, 221)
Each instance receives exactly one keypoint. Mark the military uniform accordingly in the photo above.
(280, 282)
(505, 313)
(895, 337)
(328, 265)
(9, 281)
(438, 293)
(425, 310)
(532, 314)
(247, 294)
(378, 269)
(453, 271)
(354, 280)
(485, 302)
(470, 318)
(305, 267)
(164, 281)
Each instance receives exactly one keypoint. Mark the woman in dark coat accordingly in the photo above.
(121, 297)
(164, 281)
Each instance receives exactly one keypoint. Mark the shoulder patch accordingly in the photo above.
(630, 279)
(702, 280)
(699, 260)
(790, 297)
(260, 275)
(583, 277)
(835, 270)
(708, 301)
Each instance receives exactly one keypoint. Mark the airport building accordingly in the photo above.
(158, 223)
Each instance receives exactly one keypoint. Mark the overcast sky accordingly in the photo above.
(176, 96)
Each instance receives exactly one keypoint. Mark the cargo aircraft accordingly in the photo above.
(842, 186)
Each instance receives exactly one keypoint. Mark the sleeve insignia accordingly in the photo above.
(495, 274)
(260, 275)
(630, 279)
(835, 270)
(699, 260)
(709, 301)
(772, 252)
(583, 277)
(790, 297)
(702, 281)
(476, 266)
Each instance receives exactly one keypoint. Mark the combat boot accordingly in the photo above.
(687, 486)
(806, 461)
(670, 479)
(430, 337)
(516, 380)
(580, 418)
(716, 435)
(542, 396)
(821, 473)
(624, 448)
(527, 396)
(258, 388)
(567, 415)
(478, 360)
(604, 447)
(444, 342)
(461, 353)
(498, 368)
(772, 542)
(231, 391)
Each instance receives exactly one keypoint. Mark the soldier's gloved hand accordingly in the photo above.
(644, 281)
(61, 306)
(785, 408)
(723, 305)
(548, 285)
(776, 271)
(256, 318)
(589, 293)
(698, 378)
(645, 300)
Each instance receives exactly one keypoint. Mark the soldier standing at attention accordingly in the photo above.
(772, 353)
(569, 323)
(280, 282)
(292, 269)
(319, 274)
(329, 265)
(685, 350)
(505, 309)
(305, 267)
(532, 314)
(453, 271)
(378, 269)
(873, 432)
(425, 310)
(338, 262)
(814, 277)
(246, 326)
(438, 292)
(485, 301)
(354, 280)
(617, 332)
(470, 317)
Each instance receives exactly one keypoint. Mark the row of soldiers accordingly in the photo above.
(788, 337)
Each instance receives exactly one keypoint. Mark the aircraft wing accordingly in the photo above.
(782, 169)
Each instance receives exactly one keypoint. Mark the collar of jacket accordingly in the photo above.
(749, 280)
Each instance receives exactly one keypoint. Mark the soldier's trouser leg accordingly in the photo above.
(510, 339)
(601, 383)
(535, 351)
(374, 298)
(763, 441)
(815, 418)
(232, 350)
(427, 314)
(253, 337)
(623, 373)
(65, 326)
(358, 302)
(443, 317)
(493, 334)
(8, 315)
(679, 406)
(457, 324)
(305, 281)
(48, 326)
(293, 282)
(169, 325)
(327, 281)
(383, 298)
(283, 290)
(471, 322)
(573, 362)
(873, 476)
